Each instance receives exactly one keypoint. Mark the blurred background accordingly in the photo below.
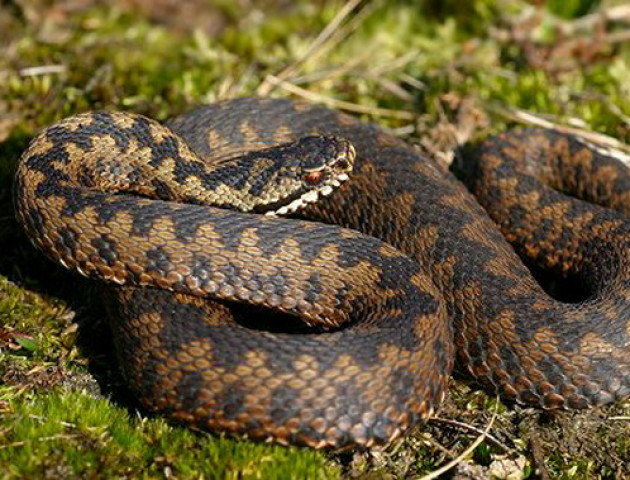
(564, 61)
(436, 72)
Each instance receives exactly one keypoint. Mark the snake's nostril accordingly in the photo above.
(342, 164)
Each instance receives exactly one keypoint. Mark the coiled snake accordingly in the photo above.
(404, 274)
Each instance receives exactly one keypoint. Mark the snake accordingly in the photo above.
(282, 271)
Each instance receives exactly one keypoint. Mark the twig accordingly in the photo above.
(435, 444)
(471, 428)
(465, 453)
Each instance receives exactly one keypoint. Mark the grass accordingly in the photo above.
(432, 71)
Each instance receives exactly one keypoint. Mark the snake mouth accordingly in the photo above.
(326, 188)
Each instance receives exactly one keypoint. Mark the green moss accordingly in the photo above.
(572, 8)
(73, 435)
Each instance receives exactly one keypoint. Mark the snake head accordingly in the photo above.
(309, 168)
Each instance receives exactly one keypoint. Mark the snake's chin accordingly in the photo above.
(311, 196)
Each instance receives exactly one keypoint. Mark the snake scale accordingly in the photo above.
(400, 274)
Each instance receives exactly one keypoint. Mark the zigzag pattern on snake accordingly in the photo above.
(402, 271)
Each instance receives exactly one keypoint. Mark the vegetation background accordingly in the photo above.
(436, 72)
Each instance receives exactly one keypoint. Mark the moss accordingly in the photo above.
(572, 8)
(73, 435)
(433, 58)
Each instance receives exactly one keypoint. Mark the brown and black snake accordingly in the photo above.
(401, 276)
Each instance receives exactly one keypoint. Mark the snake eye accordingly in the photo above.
(314, 178)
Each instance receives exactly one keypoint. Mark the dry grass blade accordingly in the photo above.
(610, 146)
(332, 73)
(321, 39)
(345, 30)
(42, 70)
(618, 13)
(340, 104)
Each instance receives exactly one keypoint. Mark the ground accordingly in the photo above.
(434, 72)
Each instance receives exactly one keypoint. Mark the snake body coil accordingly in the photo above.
(405, 275)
